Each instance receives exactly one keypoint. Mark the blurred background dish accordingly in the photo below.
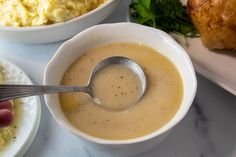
(58, 31)
(29, 116)
(29, 13)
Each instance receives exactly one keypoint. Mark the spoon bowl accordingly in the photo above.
(119, 60)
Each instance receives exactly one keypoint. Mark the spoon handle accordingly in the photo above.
(8, 92)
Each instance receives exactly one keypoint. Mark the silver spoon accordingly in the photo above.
(8, 92)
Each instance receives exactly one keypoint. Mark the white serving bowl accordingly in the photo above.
(111, 33)
(58, 31)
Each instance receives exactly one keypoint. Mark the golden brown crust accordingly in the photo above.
(215, 21)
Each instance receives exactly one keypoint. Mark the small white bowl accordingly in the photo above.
(111, 33)
(58, 31)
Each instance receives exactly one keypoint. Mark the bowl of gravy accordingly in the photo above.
(171, 88)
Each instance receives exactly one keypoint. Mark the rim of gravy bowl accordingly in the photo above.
(114, 33)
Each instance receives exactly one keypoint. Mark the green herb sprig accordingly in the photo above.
(167, 15)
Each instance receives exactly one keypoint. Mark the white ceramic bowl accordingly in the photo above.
(120, 32)
(58, 31)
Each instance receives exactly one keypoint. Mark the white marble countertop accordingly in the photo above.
(208, 130)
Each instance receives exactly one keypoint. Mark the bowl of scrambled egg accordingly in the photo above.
(44, 21)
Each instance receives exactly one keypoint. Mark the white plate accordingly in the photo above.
(30, 116)
(217, 66)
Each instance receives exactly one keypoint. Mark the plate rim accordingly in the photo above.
(31, 136)
(213, 78)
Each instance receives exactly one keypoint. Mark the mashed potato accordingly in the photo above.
(43, 12)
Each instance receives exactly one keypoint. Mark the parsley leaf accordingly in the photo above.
(167, 15)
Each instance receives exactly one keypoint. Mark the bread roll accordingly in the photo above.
(216, 22)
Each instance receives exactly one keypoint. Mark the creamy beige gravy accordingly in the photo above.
(159, 104)
(116, 86)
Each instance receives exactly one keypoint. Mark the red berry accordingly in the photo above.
(6, 117)
(6, 105)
